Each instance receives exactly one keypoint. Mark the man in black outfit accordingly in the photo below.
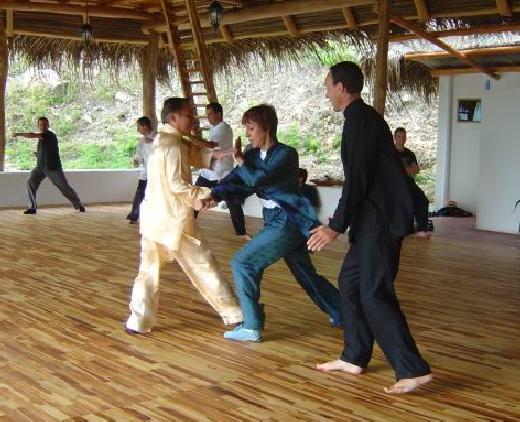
(48, 164)
(376, 205)
(411, 166)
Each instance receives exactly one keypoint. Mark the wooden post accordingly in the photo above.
(3, 85)
(150, 76)
(380, 84)
(205, 67)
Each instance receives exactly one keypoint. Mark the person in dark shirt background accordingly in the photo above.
(376, 206)
(48, 164)
(411, 166)
(309, 191)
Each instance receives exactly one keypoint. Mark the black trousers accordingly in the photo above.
(235, 210)
(370, 308)
(138, 198)
(421, 207)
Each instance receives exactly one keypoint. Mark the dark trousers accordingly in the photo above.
(58, 179)
(138, 198)
(235, 210)
(370, 308)
(421, 207)
(279, 238)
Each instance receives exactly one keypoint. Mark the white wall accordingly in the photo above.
(92, 186)
(108, 186)
(479, 161)
(499, 177)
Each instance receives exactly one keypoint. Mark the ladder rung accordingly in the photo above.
(199, 105)
(199, 93)
(201, 116)
(196, 82)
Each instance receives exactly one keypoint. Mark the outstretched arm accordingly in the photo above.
(27, 134)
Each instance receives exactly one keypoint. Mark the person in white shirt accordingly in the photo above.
(144, 147)
(222, 134)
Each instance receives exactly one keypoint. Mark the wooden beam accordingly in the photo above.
(291, 26)
(503, 8)
(488, 29)
(183, 23)
(4, 55)
(174, 43)
(422, 10)
(235, 2)
(398, 20)
(272, 10)
(205, 67)
(348, 14)
(381, 79)
(481, 52)
(36, 33)
(150, 77)
(459, 71)
(69, 9)
(9, 27)
(226, 33)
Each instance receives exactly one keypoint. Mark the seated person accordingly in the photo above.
(411, 166)
(309, 191)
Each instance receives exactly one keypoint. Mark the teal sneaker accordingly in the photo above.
(243, 334)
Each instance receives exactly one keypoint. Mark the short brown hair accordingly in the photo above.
(265, 116)
(171, 106)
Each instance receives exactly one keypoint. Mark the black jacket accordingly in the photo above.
(376, 188)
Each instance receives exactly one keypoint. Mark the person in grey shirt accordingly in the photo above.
(48, 164)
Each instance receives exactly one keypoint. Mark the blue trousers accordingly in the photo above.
(279, 238)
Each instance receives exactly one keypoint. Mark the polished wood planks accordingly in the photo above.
(64, 285)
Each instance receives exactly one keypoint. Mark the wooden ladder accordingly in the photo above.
(195, 77)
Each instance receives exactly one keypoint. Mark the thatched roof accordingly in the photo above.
(251, 30)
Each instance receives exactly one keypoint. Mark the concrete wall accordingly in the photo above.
(478, 162)
(499, 176)
(108, 186)
(92, 186)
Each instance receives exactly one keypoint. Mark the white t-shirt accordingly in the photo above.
(267, 203)
(144, 147)
(223, 135)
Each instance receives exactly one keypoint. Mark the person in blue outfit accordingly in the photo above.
(270, 169)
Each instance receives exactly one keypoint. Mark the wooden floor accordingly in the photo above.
(64, 286)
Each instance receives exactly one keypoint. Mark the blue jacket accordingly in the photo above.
(275, 178)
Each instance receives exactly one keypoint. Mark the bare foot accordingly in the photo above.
(423, 234)
(247, 237)
(340, 365)
(408, 385)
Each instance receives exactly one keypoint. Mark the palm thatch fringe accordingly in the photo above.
(56, 53)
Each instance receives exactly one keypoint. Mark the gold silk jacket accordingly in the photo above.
(166, 212)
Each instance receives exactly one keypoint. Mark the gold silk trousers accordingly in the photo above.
(199, 264)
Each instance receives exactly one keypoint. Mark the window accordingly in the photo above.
(469, 111)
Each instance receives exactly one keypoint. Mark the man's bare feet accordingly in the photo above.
(408, 385)
(340, 365)
(423, 234)
(247, 237)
